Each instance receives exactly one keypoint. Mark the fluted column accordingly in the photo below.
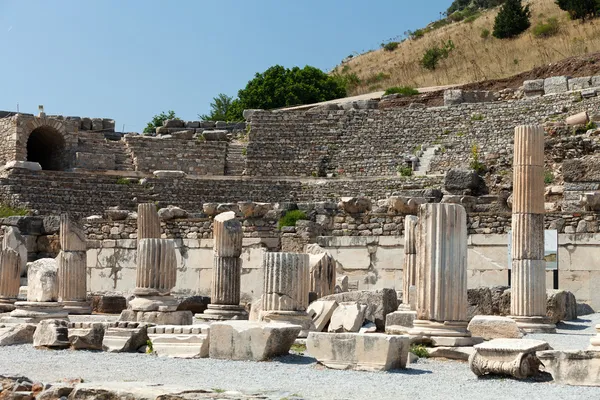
(72, 267)
(10, 278)
(410, 262)
(441, 273)
(227, 269)
(148, 222)
(156, 267)
(528, 294)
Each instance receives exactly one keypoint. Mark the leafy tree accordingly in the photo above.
(580, 9)
(512, 20)
(282, 87)
(223, 108)
(157, 121)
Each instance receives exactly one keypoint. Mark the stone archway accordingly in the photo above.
(46, 146)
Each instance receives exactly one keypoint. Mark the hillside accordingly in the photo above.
(474, 57)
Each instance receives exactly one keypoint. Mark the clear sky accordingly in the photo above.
(131, 59)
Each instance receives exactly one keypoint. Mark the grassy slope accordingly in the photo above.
(474, 58)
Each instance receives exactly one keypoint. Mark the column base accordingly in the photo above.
(536, 324)
(34, 312)
(449, 333)
(153, 303)
(223, 312)
(291, 317)
(77, 307)
(7, 305)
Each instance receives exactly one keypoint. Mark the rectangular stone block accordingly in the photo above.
(399, 322)
(359, 351)
(556, 84)
(533, 87)
(180, 345)
(527, 237)
(580, 83)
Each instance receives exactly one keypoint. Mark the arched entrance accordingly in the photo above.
(46, 146)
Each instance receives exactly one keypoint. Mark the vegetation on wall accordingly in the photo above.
(290, 218)
(8, 211)
(157, 121)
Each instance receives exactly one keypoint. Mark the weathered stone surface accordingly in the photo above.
(561, 306)
(359, 351)
(513, 357)
(585, 169)
(13, 239)
(228, 234)
(451, 353)
(118, 340)
(399, 322)
(180, 345)
(347, 317)
(533, 87)
(13, 334)
(72, 276)
(171, 212)
(405, 205)
(578, 368)
(321, 311)
(28, 165)
(341, 284)
(116, 214)
(459, 181)
(158, 317)
(379, 303)
(72, 236)
(580, 83)
(87, 338)
(494, 327)
(195, 304)
(322, 270)
(42, 280)
(51, 333)
(108, 304)
(286, 283)
(215, 135)
(409, 272)
(254, 341)
(355, 205)
(556, 84)
(453, 97)
(578, 119)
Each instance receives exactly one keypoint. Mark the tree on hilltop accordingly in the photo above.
(512, 20)
(223, 108)
(157, 121)
(580, 9)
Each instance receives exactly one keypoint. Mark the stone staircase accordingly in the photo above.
(123, 155)
(99, 146)
(236, 160)
(425, 160)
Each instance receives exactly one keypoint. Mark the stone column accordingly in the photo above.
(410, 263)
(227, 270)
(528, 294)
(72, 267)
(322, 270)
(441, 276)
(148, 222)
(10, 279)
(286, 287)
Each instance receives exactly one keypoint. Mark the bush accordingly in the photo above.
(391, 46)
(545, 30)
(485, 33)
(290, 218)
(418, 34)
(8, 211)
(402, 90)
(123, 181)
(548, 177)
(580, 9)
(476, 165)
(512, 20)
(419, 350)
(405, 171)
(433, 55)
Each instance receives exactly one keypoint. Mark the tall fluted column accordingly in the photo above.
(528, 294)
(441, 276)
(156, 267)
(409, 273)
(10, 279)
(227, 269)
(286, 287)
(148, 222)
(72, 267)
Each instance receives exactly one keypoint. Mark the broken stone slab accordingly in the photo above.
(253, 341)
(359, 351)
(561, 306)
(88, 338)
(154, 303)
(52, 334)
(341, 284)
(577, 368)
(513, 357)
(406, 205)
(121, 340)
(172, 212)
(347, 317)
(169, 174)
(13, 334)
(494, 327)
(321, 311)
(180, 345)
(28, 165)
(578, 119)
(399, 322)
(589, 93)
(379, 303)
(461, 353)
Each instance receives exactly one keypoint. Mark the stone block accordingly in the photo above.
(494, 327)
(14, 334)
(577, 368)
(52, 334)
(347, 317)
(578, 119)
(173, 123)
(459, 181)
(215, 136)
(108, 304)
(355, 205)
(461, 353)
(562, 306)
(129, 340)
(28, 165)
(359, 351)
(321, 311)
(399, 322)
(556, 84)
(87, 338)
(253, 341)
(42, 282)
(379, 303)
(513, 357)
(533, 87)
(164, 174)
(453, 97)
(180, 345)
(580, 83)
(158, 317)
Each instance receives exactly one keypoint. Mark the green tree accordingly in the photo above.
(223, 108)
(157, 121)
(512, 20)
(282, 87)
(580, 9)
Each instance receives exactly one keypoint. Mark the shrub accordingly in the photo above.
(8, 211)
(405, 171)
(477, 117)
(591, 125)
(123, 181)
(512, 20)
(548, 177)
(580, 9)
(391, 46)
(544, 30)
(433, 55)
(419, 350)
(485, 33)
(402, 90)
(290, 218)
(475, 164)
(418, 34)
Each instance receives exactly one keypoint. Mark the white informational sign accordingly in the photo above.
(550, 249)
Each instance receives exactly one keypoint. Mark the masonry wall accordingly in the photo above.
(7, 140)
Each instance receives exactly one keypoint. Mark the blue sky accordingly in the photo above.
(132, 59)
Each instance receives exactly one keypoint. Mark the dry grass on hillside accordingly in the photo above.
(475, 58)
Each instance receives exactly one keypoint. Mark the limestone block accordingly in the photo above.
(156, 267)
(561, 306)
(120, 340)
(533, 87)
(173, 123)
(347, 317)
(97, 124)
(195, 304)
(577, 368)
(460, 182)
(51, 333)
(180, 345)
(42, 282)
(72, 236)
(453, 97)
(406, 205)
(13, 334)
(116, 214)
(589, 93)
(171, 212)
(13, 239)
(228, 235)
(90, 338)
(578, 119)
(215, 135)
(580, 83)
(286, 283)
(158, 317)
(148, 222)
(321, 311)
(153, 303)
(253, 341)
(359, 351)
(249, 113)
(10, 274)
(494, 327)
(169, 174)
(183, 135)
(556, 84)
(379, 303)
(255, 210)
(322, 270)
(28, 165)
(399, 322)
(355, 205)
(528, 236)
(513, 357)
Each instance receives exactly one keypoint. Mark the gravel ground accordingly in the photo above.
(299, 376)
